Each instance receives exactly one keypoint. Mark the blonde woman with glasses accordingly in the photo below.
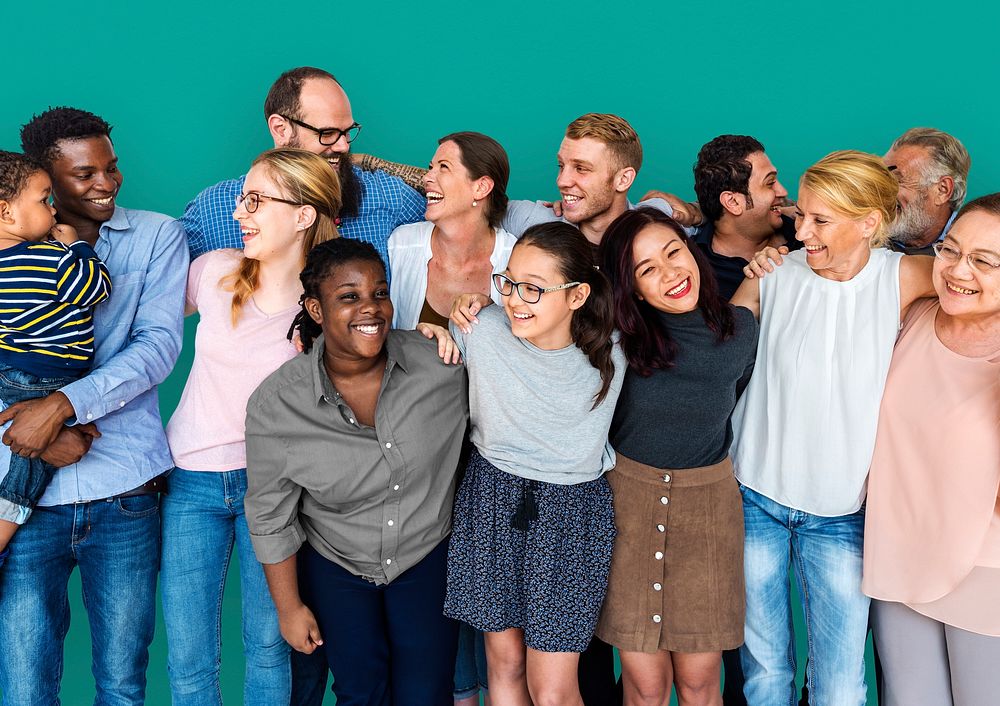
(246, 300)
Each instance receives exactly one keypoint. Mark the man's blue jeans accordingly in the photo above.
(826, 555)
(203, 519)
(116, 544)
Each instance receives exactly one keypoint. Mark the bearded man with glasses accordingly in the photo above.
(307, 108)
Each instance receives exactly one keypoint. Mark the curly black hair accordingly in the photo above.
(723, 166)
(15, 170)
(320, 262)
(41, 135)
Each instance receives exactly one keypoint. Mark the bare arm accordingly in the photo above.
(915, 280)
(748, 295)
(298, 624)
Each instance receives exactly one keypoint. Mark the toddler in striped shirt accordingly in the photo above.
(49, 282)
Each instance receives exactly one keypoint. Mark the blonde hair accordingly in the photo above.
(855, 184)
(307, 179)
(615, 132)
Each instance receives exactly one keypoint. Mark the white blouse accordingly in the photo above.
(805, 426)
(409, 253)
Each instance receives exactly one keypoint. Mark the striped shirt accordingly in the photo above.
(47, 290)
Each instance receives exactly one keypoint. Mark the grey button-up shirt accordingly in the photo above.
(373, 500)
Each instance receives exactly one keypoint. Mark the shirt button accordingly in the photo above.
(395, 487)
(666, 477)
(390, 523)
(90, 415)
(351, 421)
(661, 528)
(658, 555)
(664, 500)
(122, 403)
(657, 618)
(657, 586)
(388, 561)
(388, 445)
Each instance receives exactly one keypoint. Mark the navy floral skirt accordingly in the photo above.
(548, 578)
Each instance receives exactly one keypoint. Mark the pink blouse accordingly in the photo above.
(207, 430)
(932, 528)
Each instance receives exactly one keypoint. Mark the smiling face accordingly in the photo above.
(85, 179)
(586, 179)
(767, 194)
(450, 189)
(324, 105)
(275, 229)
(921, 206)
(354, 310)
(546, 323)
(666, 274)
(837, 246)
(964, 291)
(30, 214)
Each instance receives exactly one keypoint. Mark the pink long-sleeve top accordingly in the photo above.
(932, 528)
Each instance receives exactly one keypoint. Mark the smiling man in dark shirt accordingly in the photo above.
(741, 198)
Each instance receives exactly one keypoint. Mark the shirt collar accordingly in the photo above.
(947, 226)
(323, 388)
(118, 221)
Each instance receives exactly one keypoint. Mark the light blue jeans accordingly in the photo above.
(826, 555)
(202, 520)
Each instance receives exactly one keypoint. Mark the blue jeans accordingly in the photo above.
(27, 478)
(826, 555)
(470, 665)
(203, 519)
(116, 544)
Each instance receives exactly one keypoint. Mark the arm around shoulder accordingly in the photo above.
(915, 281)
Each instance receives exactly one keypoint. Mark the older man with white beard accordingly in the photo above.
(933, 170)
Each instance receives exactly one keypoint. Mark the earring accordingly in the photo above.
(474, 203)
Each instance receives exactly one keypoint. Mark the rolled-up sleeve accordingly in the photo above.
(272, 499)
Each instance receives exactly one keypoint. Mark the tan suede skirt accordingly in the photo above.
(677, 567)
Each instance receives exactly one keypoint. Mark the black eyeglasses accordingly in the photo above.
(329, 135)
(529, 293)
(251, 201)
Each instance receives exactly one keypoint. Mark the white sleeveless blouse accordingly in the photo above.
(805, 426)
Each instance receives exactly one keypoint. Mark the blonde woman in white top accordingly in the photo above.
(461, 244)
(805, 427)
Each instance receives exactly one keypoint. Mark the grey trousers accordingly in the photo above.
(928, 663)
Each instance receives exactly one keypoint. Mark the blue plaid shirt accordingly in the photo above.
(386, 202)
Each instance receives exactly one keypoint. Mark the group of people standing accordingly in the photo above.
(461, 441)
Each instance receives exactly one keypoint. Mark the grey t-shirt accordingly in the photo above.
(521, 215)
(531, 408)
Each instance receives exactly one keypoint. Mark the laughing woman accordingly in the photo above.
(932, 533)
(246, 301)
(805, 427)
(461, 244)
(675, 595)
(352, 451)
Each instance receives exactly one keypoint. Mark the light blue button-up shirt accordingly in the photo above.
(138, 335)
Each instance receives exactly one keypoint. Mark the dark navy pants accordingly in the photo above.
(385, 645)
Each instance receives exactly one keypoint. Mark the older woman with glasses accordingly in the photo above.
(932, 533)
(246, 301)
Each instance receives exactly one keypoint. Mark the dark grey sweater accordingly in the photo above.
(680, 417)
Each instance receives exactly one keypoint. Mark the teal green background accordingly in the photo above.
(184, 82)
